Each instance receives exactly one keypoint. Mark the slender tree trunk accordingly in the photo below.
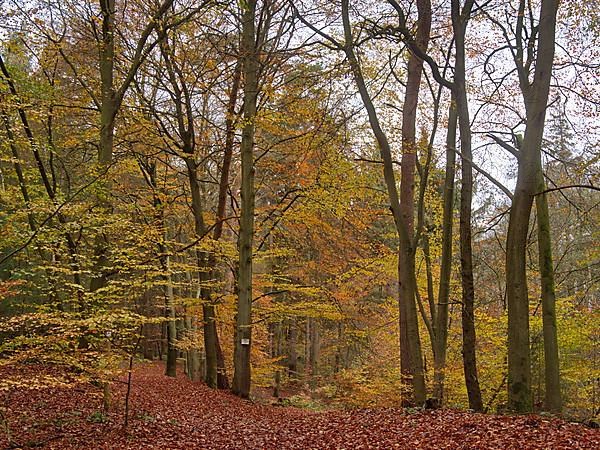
(171, 367)
(459, 21)
(107, 57)
(277, 338)
(216, 375)
(170, 314)
(222, 381)
(292, 353)
(519, 365)
(339, 354)
(243, 334)
(19, 171)
(306, 368)
(407, 336)
(208, 309)
(553, 398)
(411, 360)
(107, 126)
(441, 334)
(536, 99)
(314, 352)
(169, 303)
(468, 291)
(192, 355)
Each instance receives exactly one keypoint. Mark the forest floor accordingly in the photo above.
(167, 413)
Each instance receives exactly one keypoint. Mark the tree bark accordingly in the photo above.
(19, 171)
(277, 337)
(553, 397)
(292, 353)
(441, 326)
(459, 21)
(411, 360)
(165, 264)
(222, 381)
(408, 343)
(536, 98)
(108, 95)
(243, 334)
(171, 366)
(211, 339)
(314, 351)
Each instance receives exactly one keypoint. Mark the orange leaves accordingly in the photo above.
(8, 288)
(179, 414)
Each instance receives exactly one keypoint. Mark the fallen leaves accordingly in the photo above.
(175, 413)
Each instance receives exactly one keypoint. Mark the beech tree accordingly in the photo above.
(243, 335)
(529, 182)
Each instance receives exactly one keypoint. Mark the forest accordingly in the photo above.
(300, 224)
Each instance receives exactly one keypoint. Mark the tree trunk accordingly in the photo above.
(192, 362)
(19, 171)
(441, 327)
(411, 360)
(171, 368)
(107, 129)
(536, 99)
(292, 353)
(277, 332)
(407, 336)
(519, 370)
(208, 310)
(222, 380)
(107, 58)
(340, 363)
(170, 315)
(553, 398)
(314, 351)
(243, 334)
(459, 22)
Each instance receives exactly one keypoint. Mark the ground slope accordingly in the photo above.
(171, 413)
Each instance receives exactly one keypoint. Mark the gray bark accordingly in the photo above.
(243, 333)
(553, 397)
(459, 21)
(411, 359)
(536, 98)
(292, 352)
(441, 318)
(208, 309)
(171, 367)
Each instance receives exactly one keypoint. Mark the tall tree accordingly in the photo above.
(230, 123)
(112, 97)
(411, 360)
(535, 95)
(243, 333)
(182, 94)
(441, 316)
(552, 393)
(460, 18)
